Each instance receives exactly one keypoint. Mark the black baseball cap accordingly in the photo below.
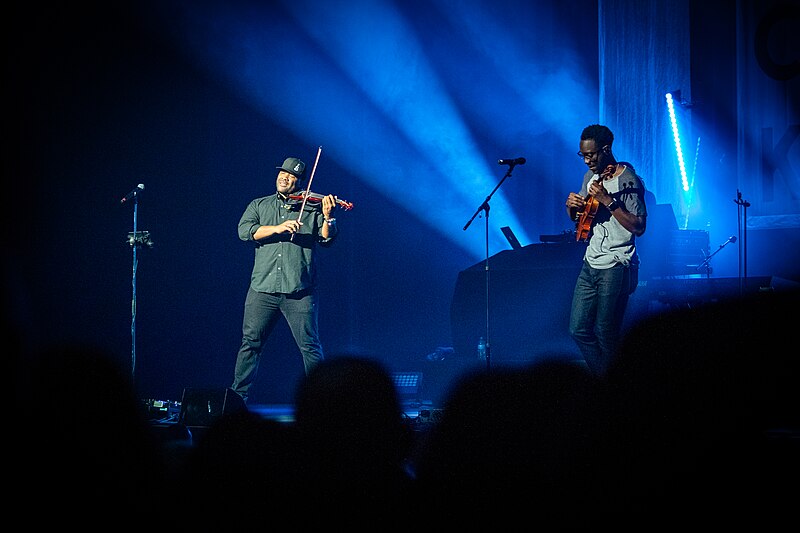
(294, 166)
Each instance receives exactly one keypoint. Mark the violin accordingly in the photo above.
(307, 196)
(315, 198)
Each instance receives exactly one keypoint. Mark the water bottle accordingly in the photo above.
(482, 349)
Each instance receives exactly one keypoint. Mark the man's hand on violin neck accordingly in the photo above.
(328, 205)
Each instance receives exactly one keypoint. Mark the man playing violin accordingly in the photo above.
(286, 234)
(609, 273)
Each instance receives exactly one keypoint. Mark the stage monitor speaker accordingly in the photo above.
(408, 385)
(202, 407)
(687, 249)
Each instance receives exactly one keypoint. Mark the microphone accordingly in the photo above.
(133, 193)
(517, 161)
(732, 238)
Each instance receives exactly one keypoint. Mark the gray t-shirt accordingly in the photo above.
(609, 242)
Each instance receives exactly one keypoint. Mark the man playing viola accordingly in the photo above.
(285, 234)
(609, 273)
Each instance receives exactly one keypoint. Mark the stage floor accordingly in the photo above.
(423, 411)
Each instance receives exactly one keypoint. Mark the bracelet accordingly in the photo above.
(330, 221)
(613, 205)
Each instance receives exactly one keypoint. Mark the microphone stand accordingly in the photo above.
(741, 219)
(136, 239)
(485, 207)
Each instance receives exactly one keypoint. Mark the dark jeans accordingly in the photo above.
(598, 309)
(261, 313)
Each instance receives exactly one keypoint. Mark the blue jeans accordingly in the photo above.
(598, 308)
(261, 313)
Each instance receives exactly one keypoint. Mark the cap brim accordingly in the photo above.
(293, 173)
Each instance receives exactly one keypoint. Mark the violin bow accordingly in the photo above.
(308, 189)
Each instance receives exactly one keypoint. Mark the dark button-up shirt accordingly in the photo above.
(283, 264)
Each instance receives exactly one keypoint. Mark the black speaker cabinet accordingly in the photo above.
(687, 249)
(530, 293)
(202, 407)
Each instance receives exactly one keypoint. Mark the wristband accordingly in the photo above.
(330, 221)
(613, 205)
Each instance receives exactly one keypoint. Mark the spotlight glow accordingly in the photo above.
(417, 104)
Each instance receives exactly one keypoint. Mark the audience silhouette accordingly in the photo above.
(239, 471)
(87, 450)
(697, 419)
(703, 416)
(353, 441)
(514, 443)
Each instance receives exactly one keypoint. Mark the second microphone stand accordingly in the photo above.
(485, 208)
(741, 220)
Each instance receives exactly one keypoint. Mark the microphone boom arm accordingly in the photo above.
(707, 260)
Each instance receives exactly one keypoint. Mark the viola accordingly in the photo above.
(586, 216)
(315, 198)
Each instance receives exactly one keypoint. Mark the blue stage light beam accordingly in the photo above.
(690, 201)
(410, 102)
(525, 78)
(378, 50)
(358, 84)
